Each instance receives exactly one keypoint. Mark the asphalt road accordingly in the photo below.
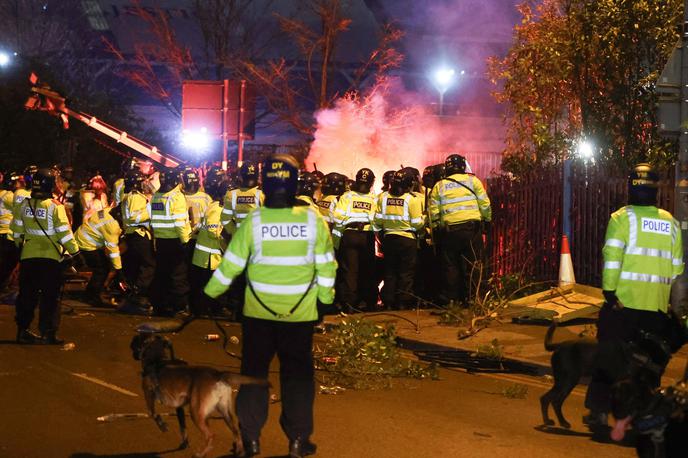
(51, 399)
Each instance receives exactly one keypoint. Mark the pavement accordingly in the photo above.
(420, 331)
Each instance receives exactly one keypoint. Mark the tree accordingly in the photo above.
(585, 69)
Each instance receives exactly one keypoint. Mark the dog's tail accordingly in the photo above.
(549, 346)
(238, 379)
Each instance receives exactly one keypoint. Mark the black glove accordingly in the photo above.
(486, 227)
(610, 298)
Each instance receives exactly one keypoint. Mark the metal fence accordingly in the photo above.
(527, 220)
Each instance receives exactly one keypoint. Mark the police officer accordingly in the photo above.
(139, 259)
(197, 201)
(643, 255)
(353, 218)
(210, 245)
(400, 218)
(9, 255)
(94, 196)
(306, 188)
(387, 180)
(290, 264)
(333, 186)
(98, 240)
(128, 165)
(458, 208)
(239, 202)
(171, 231)
(44, 236)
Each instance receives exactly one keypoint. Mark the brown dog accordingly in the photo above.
(175, 384)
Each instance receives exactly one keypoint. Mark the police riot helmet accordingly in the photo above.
(128, 165)
(387, 179)
(364, 180)
(29, 172)
(43, 184)
(216, 183)
(280, 177)
(428, 178)
(248, 172)
(169, 178)
(334, 184)
(11, 179)
(191, 183)
(414, 173)
(307, 184)
(133, 181)
(642, 185)
(319, 176)
(455, 163)
(402, 182)
(439, 171)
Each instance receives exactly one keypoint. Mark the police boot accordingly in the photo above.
(251, 448)
(27, 337)
(299, 448)
(49, 338)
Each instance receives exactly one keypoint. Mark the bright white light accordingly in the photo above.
(444, 78)
(197, 140)
(4, 59)
(586, 149)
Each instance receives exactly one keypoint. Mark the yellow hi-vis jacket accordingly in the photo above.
(643, 254)
(289, 258)
(6, 204)
(210, 244)
(19, 196)
(118, 191)
(238, 203)
(101, 230)
(169, 218)
(354, 207)
(452, 203)
(42, 230)
(326, 205)
(196, 205)
(308, 200)
(135, 214)
(399, 215)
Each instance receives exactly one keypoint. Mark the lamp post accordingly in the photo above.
(443, 79)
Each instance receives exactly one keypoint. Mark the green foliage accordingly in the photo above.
(492, 350)
(361, 354)
(586, 68)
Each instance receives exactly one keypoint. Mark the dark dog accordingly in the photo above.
(175, 384)
(573, 359)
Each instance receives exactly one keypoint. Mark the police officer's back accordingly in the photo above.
(353, 218)
(458, 206)
(42, 232)
(171, 232)
(240, 201)
(287, 251)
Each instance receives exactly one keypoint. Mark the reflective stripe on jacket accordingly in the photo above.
(643, 254)
(196, 205)
(326, 205)
(354, 207)
(47, 234)
(285, 249)
(19, 196)
(399, 215)
(169, 218)
(101, 230)
(135, 214)
(210, 244)
(452, 203)
(238, 204)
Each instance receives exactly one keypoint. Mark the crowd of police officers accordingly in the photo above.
(161, 235)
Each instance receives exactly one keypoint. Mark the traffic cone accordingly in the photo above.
(566, 276)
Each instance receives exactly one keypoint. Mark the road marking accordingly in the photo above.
(100, 382)
(578, 391)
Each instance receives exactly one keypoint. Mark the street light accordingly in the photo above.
(443, 78)
(4, 59)
(197, 139)
(586, 149)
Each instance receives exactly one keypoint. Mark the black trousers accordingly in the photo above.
(9, 257)
(621, 326)
(170, 288)
(400, 268)
(138, 262)
(40, 281)
(429, 272)
(200, 303)
(461, 247)
(292, 342)
(99, 264)
(357, 257)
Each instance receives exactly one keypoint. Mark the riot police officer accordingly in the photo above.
(306, 188)
(288, 256)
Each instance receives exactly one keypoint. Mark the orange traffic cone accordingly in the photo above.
(566, 276)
